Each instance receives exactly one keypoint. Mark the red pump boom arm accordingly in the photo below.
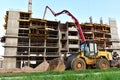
(75, 20)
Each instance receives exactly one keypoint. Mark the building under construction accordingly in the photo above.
(28, 40)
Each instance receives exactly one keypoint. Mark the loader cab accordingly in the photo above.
(90, 49)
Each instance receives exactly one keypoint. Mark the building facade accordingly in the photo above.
(28, 40)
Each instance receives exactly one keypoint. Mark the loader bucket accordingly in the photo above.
(42, 67)
(56, 65)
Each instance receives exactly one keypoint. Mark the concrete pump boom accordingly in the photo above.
(69, 14)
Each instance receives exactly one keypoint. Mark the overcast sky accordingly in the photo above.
(82, 9)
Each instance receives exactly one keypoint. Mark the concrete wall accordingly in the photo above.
(11, 42)
(114, 29)
(9, 63)
(11, 39)
(114, 36)
(11, 47)
(10, 51)
(12, 24)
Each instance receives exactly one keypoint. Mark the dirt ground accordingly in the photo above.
(53, 65)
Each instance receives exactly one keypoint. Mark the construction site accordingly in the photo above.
(30, 41)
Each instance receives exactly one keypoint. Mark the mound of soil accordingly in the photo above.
(26, 69)
(42, 67)
(57, 65)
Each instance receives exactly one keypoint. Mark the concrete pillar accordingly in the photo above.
(9, 63)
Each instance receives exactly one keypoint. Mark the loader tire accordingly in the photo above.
(78, 64)
(103, 64)
(69, 60)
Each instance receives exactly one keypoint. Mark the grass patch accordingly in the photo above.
(90, 74)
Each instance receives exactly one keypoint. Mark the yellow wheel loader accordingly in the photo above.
(89, 57)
